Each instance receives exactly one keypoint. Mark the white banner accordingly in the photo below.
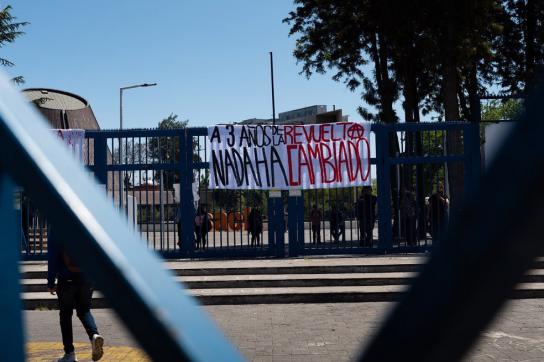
(289, 156)
(74, 139)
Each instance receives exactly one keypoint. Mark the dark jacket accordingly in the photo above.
(255, 222)
(337, 218)
(366, 209)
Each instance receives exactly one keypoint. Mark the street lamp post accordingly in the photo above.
(121, 98)
(122, 182)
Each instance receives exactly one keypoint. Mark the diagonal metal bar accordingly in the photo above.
(167, 322)
(473, 271)
(11, 328)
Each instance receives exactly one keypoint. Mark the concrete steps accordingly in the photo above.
(315, 280)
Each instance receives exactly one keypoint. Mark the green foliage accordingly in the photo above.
(10, 30)
(438, 55)
(500, 111)
(521, 44)
(167, 150)
(226, 200)
(496, 111)
(172, 122)
(236, 200)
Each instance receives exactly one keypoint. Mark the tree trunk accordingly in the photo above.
(387, 114)
(473, 98)
(454, 144)
(383, 81)
(450, 83)
(530, 43)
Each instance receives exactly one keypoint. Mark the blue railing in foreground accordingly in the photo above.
(480, 259)
(167, 322)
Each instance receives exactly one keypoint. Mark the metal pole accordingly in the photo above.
(122, 181)
(121, 108)
(272, 84)
(11, 328)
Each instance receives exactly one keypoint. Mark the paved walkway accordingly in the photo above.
(298, 332)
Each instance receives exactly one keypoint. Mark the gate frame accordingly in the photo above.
(295, 203)
(276, 238)
(472, 172)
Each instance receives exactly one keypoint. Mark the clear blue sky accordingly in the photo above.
(209, 58)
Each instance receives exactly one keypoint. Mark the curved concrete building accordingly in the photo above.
(62, 109)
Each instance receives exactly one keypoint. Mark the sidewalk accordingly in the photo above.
(297, 332)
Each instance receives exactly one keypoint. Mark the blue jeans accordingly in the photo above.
(75, 293)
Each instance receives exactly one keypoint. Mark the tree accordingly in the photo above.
(167, 150)
(345, 36)
(501, 111)
(521, 44)
(10, 30)
(436, 56)
(134, 152)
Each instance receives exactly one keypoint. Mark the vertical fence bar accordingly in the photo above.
(100, 158)
(475, 155)
(294, 206)
(385, 240)
(186, 191)
(467, 145)
(300, 223)
(11, 328)
(279, 227)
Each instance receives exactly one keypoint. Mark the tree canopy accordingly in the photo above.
(501, 111)
(167, 149)
(431, 55)
(10, 29)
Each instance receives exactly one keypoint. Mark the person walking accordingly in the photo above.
(315, 219)
(73, 290)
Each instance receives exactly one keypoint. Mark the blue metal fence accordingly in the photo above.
(159, 179)
(409, 164)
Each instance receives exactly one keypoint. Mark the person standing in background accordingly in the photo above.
(315, 219)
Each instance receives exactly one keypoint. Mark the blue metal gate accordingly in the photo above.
(229, 210)
(401, 212)
(159, 179)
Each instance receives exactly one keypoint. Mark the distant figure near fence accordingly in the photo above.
(408, 212)
(366, 215)
(203, 225)
(255, 226)
(438, 211)
(338, 227)
(315, 219)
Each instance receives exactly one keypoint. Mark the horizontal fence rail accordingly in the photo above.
(155, 175)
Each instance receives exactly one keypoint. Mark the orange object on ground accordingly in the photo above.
(220, 220)
(235, 220)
